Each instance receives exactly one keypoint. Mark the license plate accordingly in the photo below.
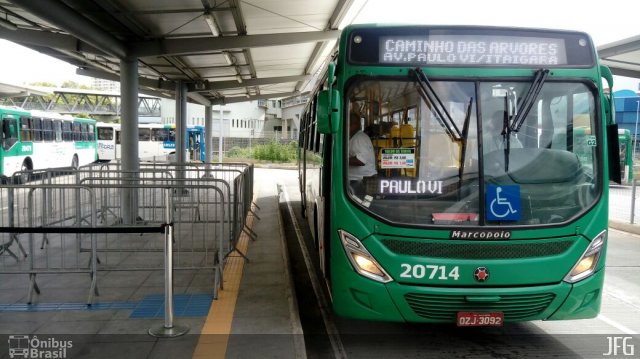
(472, 319)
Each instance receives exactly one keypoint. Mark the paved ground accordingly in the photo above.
(261, 309)
(130, 303)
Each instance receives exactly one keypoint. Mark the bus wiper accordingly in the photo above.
(429, 95)
(529, 99)
(465, 132)
(506, 133)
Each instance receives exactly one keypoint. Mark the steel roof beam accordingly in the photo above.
(226, 85)
(62, 16)
(238, 18)
(48, 39)
(622, 68)
(142, 81)
(619, 47)
(200, 44)
(341, 9)
(198, 98)
(236, 99)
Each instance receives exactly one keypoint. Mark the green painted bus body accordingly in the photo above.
(527, 270)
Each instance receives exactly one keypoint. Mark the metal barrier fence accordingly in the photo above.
(100, 218)
(624, 205)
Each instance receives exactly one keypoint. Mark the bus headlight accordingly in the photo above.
(361, 260)
(589, 260)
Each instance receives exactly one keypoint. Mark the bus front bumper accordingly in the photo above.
(359, 297)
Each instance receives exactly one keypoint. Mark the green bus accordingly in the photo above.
(33, 140)
(482, 196)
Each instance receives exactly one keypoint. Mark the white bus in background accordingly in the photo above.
(154, 140)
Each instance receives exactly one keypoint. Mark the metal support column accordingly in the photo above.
(129, 136)
(220, 135)
(208, 140)
(181, 121)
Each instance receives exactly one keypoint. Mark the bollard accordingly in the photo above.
(168, 329)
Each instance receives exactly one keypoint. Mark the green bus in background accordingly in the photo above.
(626, 155)
(34, 140)
(488, 198)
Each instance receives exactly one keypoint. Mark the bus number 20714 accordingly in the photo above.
(430, 271)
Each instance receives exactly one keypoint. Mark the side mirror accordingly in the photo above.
(328, 110)
(605, 72)
(614, 153)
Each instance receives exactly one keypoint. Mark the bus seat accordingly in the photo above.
(442, 156)
(533, 165)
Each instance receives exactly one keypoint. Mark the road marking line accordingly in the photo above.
(617, 325)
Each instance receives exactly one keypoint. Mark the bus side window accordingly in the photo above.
(47, 129)
(77, 131)
(36, 124)
(25, 129)
(155, 135)
(117, 137)
(91, 132)
(144, 134)
(84, 132)
(105, 133)
(67, 135)
(57, 127)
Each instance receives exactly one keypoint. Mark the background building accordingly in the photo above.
(271, 119)
(106, 85)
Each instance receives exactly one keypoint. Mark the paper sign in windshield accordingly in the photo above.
(398, 158)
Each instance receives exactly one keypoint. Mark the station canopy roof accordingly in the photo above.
(224, 50)
(623, 56)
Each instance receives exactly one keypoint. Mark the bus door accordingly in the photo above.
(106, 143)
(194, 143)
(9, 133)
(118, 144)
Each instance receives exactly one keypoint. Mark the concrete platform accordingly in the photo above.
(255, 309)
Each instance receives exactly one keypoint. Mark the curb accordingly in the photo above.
(623, 226)
(294, 317)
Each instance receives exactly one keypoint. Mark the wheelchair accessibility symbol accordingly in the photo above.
(503, 203)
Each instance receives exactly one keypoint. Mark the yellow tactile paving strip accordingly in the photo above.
(217, 327)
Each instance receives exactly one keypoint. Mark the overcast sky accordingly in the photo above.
(20, 65)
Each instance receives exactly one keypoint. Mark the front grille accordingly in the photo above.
(482, 250)
(444, 307)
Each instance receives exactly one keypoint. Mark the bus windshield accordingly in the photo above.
(466, 153)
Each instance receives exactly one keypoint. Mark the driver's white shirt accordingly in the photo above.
(361, 147)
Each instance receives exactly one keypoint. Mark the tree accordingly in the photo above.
(43, 84)
(74, 85)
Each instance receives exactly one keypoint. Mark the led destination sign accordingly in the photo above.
(472, 50)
